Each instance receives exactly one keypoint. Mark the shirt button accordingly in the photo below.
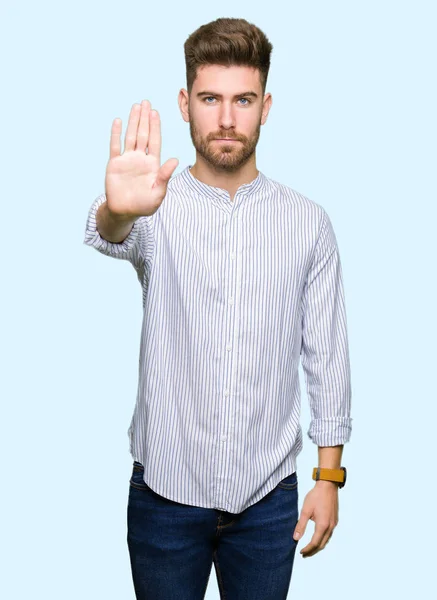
(229, 347)
(232, 255)
(226, 392)
(231, 300)
(223, 438)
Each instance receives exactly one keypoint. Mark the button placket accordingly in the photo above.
(232, 221)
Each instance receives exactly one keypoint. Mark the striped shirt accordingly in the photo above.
(234, 292)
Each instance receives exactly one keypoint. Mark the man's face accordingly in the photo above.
(220, 107)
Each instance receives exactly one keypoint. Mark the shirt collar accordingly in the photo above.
(247, 189)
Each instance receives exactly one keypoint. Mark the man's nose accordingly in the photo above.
(227, 116)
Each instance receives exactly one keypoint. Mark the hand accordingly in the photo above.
(320, 505)
(135, 182)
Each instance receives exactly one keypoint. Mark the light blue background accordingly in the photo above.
(353, 127)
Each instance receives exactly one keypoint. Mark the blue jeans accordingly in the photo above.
(172, 546)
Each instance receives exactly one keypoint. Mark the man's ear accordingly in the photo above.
(267, 104)
(183, 105)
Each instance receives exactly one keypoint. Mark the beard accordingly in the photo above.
(224, 157)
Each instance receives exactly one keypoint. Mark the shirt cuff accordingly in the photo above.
(334, 431)
(94, 239)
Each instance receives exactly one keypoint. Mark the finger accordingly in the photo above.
(316, 549)
(132, 128)
(166, 171)
(326, 539)
(316, 540)
(299, 530)
(155, 135)
(143, 128)
(114, 143)
(322, 544)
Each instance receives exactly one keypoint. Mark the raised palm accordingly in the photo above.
(135, 182)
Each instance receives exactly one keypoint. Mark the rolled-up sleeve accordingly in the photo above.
(324, 350)
(136, 248)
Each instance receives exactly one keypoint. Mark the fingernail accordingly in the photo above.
(296, 536)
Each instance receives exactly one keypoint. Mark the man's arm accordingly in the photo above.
(325, 360)
(112, 228)
(325, 351)
(131, 241)
(329, 458)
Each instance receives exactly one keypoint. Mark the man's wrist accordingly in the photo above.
(327, 484)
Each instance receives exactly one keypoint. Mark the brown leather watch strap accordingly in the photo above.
(336, 475)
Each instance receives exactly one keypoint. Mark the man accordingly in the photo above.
(241, 276)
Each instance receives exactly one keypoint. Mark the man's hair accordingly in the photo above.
(227, 41)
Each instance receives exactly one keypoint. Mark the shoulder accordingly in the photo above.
(303, 208)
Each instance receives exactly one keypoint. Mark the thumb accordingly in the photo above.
(166, 171)
(299, 530)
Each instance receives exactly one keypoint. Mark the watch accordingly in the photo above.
(336, 475)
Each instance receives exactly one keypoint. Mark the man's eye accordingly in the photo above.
(245, 103)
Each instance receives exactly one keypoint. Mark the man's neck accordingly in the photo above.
(226, 181)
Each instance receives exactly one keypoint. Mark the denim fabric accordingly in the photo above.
(173, 546)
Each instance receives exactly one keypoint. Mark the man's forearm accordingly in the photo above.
(330, 456)
(110, 227)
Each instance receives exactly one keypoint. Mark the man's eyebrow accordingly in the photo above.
(249, 93)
